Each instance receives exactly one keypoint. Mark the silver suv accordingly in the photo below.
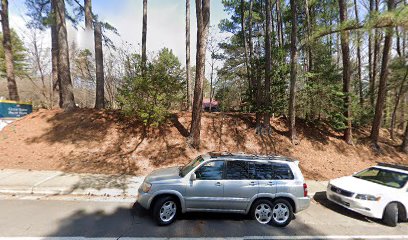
(270, 188)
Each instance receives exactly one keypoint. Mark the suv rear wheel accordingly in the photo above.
(165, 210)
(282, 213)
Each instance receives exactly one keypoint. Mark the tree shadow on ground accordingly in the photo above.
(318, 133)
(137, 222)
(77, 126)
(88, 131)
(113, 184)
(180, 127)
(163, 149)
(385, 149)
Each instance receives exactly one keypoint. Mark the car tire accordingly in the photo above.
(282, 213)
(165, 210)
(390, 217)
(261, 211)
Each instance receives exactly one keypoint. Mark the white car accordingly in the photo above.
(379, 192)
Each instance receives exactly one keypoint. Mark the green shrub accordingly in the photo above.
(151, 97)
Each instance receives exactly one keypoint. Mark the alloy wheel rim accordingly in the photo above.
(168, 211)
(280, 213)
(263, 213)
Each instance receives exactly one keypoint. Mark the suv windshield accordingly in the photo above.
(384, 177)
(187, 168)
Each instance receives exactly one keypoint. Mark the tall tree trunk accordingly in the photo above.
(268, 64)
(279, 24)
(255, 71)
(88, 14)
(144, 35)
(56, 83)
(399, 52)
(64, 73)
(211, 84)
(100, 76)
(254, 76)
(375, 58)
(382, 89)
(293, 73)
(404, 146)
(348, 138)
(188, 70)
(338, 49)
(360, 80)
(397, 101)
(244, 39)
(309, 33)
(404, 36)
(258, 78)
(203, 24)
(386, 110)
(374, 69)
(401, 124)
(371, 80)
(8, 52)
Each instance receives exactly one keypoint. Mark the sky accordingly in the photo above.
(165, 23)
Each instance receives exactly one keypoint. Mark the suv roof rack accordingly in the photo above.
(393, 165)
(249, 156)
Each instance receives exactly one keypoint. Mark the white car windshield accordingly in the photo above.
(384, 177)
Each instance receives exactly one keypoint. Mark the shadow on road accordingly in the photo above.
(137, 222)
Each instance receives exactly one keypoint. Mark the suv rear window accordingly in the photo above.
(272, 171)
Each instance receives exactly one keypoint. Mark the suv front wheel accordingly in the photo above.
(262, 211)
(165, 210)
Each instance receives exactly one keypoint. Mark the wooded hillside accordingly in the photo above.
(340, 64)
(96, 141)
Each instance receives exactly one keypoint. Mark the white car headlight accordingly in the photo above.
(146, 187)
(367, 197)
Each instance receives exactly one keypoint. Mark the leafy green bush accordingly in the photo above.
(151, 97)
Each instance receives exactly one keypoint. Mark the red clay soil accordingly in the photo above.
(91, 141)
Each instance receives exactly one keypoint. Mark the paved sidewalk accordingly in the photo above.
(14, 181)
(59, 183)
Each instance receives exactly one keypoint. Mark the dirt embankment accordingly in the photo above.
(93, 141)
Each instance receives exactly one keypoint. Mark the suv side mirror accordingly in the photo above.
(193, 177)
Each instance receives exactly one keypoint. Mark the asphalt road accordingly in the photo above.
(79, 218)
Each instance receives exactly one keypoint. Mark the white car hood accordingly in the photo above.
(357, 185)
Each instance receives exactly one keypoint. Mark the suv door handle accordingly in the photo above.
(252, 184)
(271, 183)
(218, 184)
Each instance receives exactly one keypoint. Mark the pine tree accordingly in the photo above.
(8, 52)
(203, 25)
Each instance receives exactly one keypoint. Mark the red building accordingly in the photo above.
(207, 104)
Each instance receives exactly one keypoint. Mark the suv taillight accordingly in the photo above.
(304, 189)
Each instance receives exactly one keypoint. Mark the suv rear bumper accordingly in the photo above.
(302, 203)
